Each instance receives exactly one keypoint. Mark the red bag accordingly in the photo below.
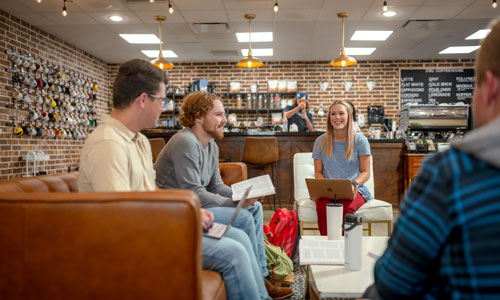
(283, 230)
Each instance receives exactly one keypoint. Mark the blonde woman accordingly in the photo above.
(341, 153)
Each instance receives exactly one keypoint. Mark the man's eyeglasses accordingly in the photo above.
(162, 99)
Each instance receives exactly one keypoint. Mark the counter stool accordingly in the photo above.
(262, 151)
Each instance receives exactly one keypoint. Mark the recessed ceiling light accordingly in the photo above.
(479, 35)
(371, 35)
(141, 38)
(256, 37)
(155, 53)
(459, 50)
(115, 18)
(359, 51)
(258, 52)
(389, 13)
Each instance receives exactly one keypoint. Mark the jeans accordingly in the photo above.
(229, 257)
(251, 221)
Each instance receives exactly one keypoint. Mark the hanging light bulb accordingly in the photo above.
(343, 60)
(64, 11)
(250, 61)
(384, 8)
(39, 1)
(276, 6)
(494, 4)
(161, 62)
(170, 8)
(151, 1)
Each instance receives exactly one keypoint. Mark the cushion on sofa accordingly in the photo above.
(375, 210)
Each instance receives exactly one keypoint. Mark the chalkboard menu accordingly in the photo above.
(435, 86)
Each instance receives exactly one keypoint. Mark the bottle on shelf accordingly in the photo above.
(276, 101)
(260, 102)
(238, 102)
(249, 101)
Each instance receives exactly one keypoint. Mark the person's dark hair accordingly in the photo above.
(354, 116)
(134, 77)
(196, 105)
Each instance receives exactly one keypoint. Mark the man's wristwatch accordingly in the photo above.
(355, 184)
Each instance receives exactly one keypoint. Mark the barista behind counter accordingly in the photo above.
(299, 114)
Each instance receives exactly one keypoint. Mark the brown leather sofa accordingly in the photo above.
(59, 244)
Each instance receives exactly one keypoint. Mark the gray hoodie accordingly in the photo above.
(482, 143)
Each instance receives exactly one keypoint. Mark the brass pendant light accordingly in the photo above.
(250, 61)
(161, 62)
(343, 60)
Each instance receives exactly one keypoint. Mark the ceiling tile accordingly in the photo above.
(186, 5)
(200, 16)
(73, 18)
(479, 12)
(436, 12)
(102, 17)
(35, 19)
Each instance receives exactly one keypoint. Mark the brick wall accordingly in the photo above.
(307, 75)
(18, 35)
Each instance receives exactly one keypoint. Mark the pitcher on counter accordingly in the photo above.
(340, 153)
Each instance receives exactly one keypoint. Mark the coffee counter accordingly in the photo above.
(387, 160)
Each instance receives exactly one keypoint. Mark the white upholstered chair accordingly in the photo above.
(374, 211)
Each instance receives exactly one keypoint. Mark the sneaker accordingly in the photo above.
(277, 292)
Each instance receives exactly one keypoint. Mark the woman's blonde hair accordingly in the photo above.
(327, 143)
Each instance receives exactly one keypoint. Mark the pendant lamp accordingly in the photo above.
(161, 62)
(343, 60)
(250, 61)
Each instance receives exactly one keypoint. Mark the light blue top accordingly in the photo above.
(337, 167)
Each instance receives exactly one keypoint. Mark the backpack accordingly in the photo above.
(278, 263)
(283, 230)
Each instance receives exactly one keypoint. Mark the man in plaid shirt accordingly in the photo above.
(446, 242)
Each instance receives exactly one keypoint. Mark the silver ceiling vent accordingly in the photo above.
(211, 27)
(422, 24)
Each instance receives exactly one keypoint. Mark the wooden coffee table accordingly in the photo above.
(336, 281)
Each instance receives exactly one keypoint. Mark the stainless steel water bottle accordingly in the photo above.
(353, 231)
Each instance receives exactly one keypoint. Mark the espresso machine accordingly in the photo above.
(426, 123)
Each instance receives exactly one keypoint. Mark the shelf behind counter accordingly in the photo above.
(387, 160)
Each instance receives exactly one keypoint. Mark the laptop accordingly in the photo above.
(218, 230)
(340, 189)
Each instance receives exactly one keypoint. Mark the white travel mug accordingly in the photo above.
(334, 220)
(353, 231)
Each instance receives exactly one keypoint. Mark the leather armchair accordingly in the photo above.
(57, 244)
(60, 244)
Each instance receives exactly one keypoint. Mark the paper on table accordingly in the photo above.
(261, 186)
(321, 252)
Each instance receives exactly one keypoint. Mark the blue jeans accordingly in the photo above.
(239, 268)
(251, 221)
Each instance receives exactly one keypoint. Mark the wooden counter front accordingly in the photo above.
(387, 161)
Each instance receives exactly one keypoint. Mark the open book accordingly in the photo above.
(321, 252)
(261, 186)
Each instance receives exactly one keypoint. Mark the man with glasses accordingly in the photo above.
(116, 156)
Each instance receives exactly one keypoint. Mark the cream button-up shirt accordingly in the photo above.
(114, 158)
